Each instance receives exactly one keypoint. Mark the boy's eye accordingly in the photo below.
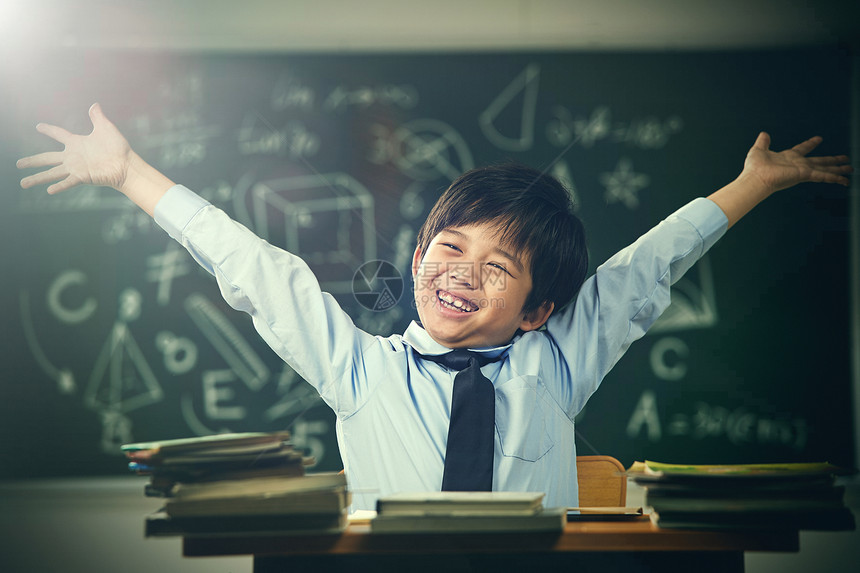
(499, 267)
(451, 246)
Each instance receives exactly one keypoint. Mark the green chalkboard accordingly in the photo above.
(112, 334)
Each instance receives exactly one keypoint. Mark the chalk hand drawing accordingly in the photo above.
(648, 133)
(411, 203)
(180, 354)
(121, 380)
(328, 220)
(428, 149)
(227, 341)
(116, 430)
(304, 435)
(295, 397)
(623, 184)
(694, 302)
(163, 268)
(63, 377)
(527, 85)
(564, 129)
(341, 98)
(54, 298)
(561, 171)
(257, 136)
(289, 93)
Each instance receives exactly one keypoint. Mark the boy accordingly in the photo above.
(497, 261)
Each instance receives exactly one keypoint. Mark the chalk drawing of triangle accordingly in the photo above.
(121, 379)
(525, 84)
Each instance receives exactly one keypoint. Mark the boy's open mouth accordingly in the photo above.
(452, 302)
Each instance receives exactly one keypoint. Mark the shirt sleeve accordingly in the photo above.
(625, 296)
(303, 325)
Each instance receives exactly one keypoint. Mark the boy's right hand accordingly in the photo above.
(100, 158)
(103, 157)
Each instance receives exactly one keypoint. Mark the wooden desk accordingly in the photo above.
(632, 545)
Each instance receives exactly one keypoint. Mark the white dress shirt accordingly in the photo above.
(392, 406)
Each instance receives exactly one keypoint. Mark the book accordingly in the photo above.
(256, 486)
(744, 496)
(603, 513)
(440, 503)
(546, 520)
(216, 444)
(741, 503)
(161, 524)
(333, 500)
(817, 520)
(214, 458)
(791, 471)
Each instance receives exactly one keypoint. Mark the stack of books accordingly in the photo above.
(460, 512)
(744, 496)
(249, 483)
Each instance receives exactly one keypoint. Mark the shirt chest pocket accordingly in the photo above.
(522, 419)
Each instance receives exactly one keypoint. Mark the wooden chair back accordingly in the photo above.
(602, 482)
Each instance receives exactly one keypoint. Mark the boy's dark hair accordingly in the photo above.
(532, 212)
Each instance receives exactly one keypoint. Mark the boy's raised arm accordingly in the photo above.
(103, 157)
(766, 172)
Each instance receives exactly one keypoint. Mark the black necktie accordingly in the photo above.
(469, 456)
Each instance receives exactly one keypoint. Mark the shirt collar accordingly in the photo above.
(418, 338)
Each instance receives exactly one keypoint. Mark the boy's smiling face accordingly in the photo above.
(470, 289)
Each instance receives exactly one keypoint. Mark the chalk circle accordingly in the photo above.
(180, 354)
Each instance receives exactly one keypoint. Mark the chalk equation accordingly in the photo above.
(737, 425)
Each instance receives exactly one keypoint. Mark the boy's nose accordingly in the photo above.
(463, 275)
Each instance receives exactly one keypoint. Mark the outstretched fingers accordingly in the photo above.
(55, 132)
(830, 160)
(762, 142)
(41, 160)
(53, 174)
(805, 147)
(820, 176)
(61, 186)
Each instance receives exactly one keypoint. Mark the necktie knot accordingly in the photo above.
(459, 359)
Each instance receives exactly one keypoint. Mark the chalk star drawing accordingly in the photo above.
(624, 184)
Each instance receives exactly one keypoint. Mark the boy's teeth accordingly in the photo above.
(455, 302)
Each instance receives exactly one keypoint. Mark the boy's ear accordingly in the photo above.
(416, 261)
(536, 318)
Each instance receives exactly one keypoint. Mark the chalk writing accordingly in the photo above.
(341, 97)
(565, 129)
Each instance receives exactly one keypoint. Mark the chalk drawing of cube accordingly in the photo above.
(327, 220)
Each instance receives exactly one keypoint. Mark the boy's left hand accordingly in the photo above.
(780, 170)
